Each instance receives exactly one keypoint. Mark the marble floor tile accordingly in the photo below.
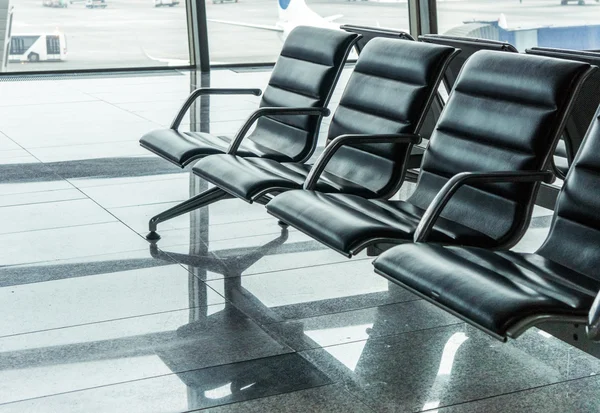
(185, 231)
(16, 156)
(50, 215)
(165, 116)
(274, 252)
(357, 325)
(300, 293)
(172, 103)
(7, 144)
(25, 169)
(83, 357)
(125, 149)
(579, 396)
(119, 262)
(80, 131)
(326, 399)
(41, 197)
(141, 193)
(92, 182)
(69, 242)
(240, 215)
(216, 128)
(191, 390)
(109, 168)
(26, 186)
(61, 114)
(87, 291)
(277, 252)
(448, 365)
(51, 96)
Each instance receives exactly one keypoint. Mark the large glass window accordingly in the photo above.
(570, 24)
(92, 34)
(250, 31)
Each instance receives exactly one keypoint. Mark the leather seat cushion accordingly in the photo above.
(346, 222)
(248, 177)
(493, 289)
(182, 148)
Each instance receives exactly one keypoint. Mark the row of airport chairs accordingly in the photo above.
(581, 115)
(485, 160)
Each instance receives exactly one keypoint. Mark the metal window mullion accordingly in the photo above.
(422, 17)
(198, 34)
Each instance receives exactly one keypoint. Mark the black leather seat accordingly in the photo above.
(287, 122)
(467, 47)
(504, 292)
(388, 92)
(583, 108)
(505, 113)
(303, 77)
(369, 33)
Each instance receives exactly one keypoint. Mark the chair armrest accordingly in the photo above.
(593, 327)
(559, 174)
(349, 140)
(441, 199)
(208, 91)
(268, 111)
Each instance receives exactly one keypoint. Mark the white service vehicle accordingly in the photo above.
(170, 3)
(37, 47)
(55, 3)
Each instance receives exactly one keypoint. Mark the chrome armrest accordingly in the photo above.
(208, 91)
(349, 140)
(443, 196)
(267, 111)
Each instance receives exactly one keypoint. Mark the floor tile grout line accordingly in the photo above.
(54, 228)
(534, 388)
(379, 338)
(108, 321)
(272, 271)
(177, 176)
(79, 144)
(32, 263)
(201, 409)
(418, 330)
(334, 313)
(263, 324)
(43, 202)
(152, 377)
(124, 110)
(50, 103)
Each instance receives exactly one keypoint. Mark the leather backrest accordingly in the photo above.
(586, 103)
(304, 75)
(369, 33)
(574, 238)
(388, 92)
(468, 46)
(505, 113)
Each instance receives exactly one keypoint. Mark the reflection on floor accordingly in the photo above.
(228, 312)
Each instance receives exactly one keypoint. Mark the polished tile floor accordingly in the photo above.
(228, 312)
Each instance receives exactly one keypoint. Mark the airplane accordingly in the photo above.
(292, 13)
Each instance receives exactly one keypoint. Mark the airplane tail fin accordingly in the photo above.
(292, 9)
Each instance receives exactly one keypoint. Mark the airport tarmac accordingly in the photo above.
(134, 33)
